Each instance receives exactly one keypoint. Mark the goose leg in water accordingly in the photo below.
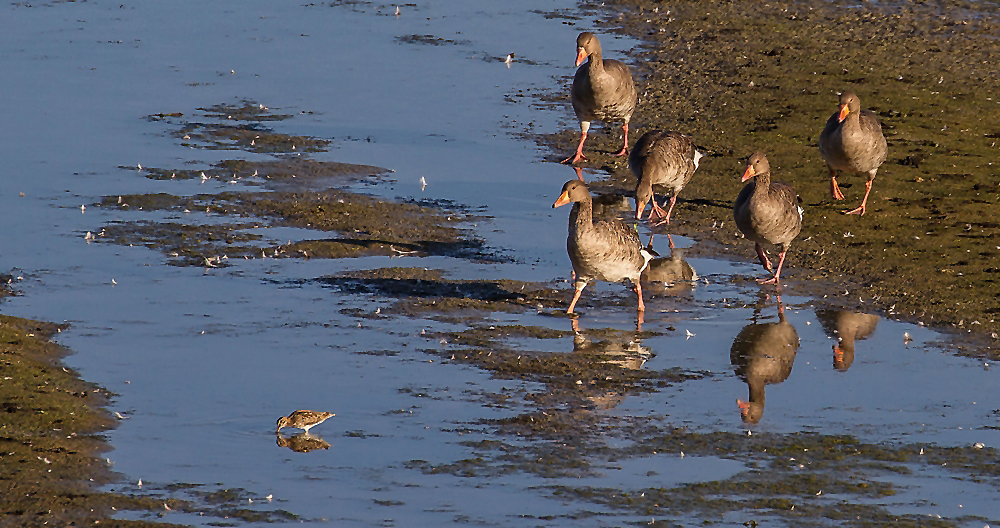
(762, 257)
(584, 127)
(860, 211)
(576, 297)
(662, 217)
(834, 188)
(624, 150)
(777, 274)
(638, 293)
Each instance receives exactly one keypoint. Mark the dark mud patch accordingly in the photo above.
(430, 40)
(297, 171)
(426, 293)
(364, 226)
(237, 127)
(925, 250)
(50, 439)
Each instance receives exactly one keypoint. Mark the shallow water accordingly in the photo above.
(204, 360)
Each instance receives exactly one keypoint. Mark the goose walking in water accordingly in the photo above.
(605, 250)
(767, 212)
(661, 158)
(852, 141)
(602, 90)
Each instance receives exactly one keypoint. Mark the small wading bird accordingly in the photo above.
(767, 212)
(304, 420)
(602, 90)
(661, 158)
(605, 250)
(852, 141)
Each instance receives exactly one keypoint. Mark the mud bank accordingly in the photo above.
(51, 436)
(746, 76)
(209, 229)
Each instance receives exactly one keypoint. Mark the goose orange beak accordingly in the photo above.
(843, 113)
(581, 55)
(743, 405)
(563, 200)
(749, 173)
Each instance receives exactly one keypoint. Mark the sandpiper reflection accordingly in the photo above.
(846, 327)
(763, 354)
(302, 442)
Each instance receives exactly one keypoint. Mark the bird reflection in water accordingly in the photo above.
(302, 442)
(846, 327)
(617, 349)
(670, 275)
(763, 354)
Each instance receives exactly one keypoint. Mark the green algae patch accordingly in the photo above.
(926, 250)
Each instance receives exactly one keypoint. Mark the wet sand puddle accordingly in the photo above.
(433, 327)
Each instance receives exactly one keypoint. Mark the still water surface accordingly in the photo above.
(204, 361)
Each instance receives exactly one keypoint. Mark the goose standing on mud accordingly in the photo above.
(605, 250)
(767, 212)
(661, 158)
(602, 90)
(852, 141)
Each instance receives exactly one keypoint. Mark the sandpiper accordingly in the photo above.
(304, 420)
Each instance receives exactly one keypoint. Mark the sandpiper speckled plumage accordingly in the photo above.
(303, 419)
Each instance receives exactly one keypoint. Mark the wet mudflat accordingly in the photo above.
(260, 234)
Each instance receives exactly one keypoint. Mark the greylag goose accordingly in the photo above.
(602, 90)
(852, 141)
(661, 158)
(605, 250)
(762, 355)
(767, 212)
(846, 327)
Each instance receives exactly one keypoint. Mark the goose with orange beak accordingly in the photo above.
(852, 141)
(767, 212)
(603, 90)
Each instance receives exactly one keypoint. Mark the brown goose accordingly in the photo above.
(852, 141)
(763, 354)
(602, 90)
(846, 327)
(605, 250)
(661, 158)
(767, 212)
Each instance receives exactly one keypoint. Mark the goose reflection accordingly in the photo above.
(763, 354)
(846, 327)
(617, 350)
(669, 275)
(609, 204)
(302, 442)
